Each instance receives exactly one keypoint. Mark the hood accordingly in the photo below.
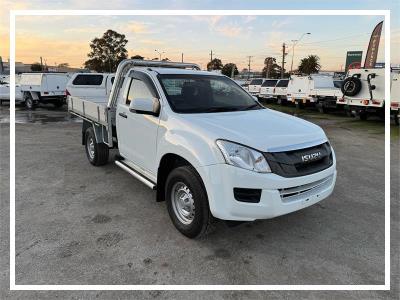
(265, 130)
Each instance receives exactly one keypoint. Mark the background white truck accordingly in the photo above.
(201, 142)
(267, 88)
(43, 87)
(255, 86)
(364, 92)
(94, 86)
(5, 89)
(395, 97)
(315, 88)
(280, 91)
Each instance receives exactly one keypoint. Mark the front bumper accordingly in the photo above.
(220, 179)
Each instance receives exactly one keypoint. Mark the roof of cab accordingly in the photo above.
(177, 71)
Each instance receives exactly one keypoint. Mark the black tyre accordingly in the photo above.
(397, 119)
(351, 86)
(279, 100)
(299, 104)
(97, 153)
(58, 103)
(187, 202)
(321, 108)
(363, 115)
(29, 102)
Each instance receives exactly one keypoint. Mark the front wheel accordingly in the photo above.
(97, 153)
(29, 102)
(397, 119)
(187, 202)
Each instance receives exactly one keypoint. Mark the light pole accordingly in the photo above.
(295, 42)
(159, 53)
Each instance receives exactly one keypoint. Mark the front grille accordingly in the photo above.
(293, 164)
(306, 190)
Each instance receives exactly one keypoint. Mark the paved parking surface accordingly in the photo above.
(77, 224)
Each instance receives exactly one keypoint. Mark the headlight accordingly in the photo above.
(243, 157)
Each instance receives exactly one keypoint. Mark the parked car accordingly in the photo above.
(315, 89)
(205, 145)
(364, 92)
(5, 89)
(267, 88)
(255, 86)
(395, 97)
(280, 91)
(43, 87)
(94, 86)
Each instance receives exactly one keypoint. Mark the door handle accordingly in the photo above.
(123, 115)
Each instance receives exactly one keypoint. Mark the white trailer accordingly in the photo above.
(364, 92)
(316, 89)
(44, 87)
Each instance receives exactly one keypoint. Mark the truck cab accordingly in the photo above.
(207, 147)
(94, 86)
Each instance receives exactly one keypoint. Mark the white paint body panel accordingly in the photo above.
(378, 94)
(395, 92)
(96, 93)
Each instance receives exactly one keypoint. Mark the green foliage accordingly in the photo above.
(107, 52)
(227, 69)
(215, 64)
(271, 68)
(137, 56)
(309, 65)
(36, 67)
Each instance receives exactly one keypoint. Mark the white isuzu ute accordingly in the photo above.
(206, 145)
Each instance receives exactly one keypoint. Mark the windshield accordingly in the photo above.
(205, 94)
(256, 82)
(282, 83)
(269, 83)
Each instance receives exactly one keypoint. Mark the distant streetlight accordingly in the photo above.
(295, 42)
(159, 53)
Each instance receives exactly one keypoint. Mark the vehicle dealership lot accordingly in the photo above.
(77, 224)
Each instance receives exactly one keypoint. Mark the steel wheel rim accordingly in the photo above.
(90, 147)
(183, 203)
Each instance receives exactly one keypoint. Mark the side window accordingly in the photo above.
(138, 89)
(112, 80)
(88, 80)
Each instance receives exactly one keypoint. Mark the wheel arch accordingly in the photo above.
(168, 162)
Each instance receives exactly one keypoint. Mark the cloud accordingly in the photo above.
(137, 27)
(281, 23)
(151, 42)
(229, 30)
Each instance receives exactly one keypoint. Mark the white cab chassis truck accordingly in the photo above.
(314, 89)
(43, 87)
(364, 92)
(207, 147)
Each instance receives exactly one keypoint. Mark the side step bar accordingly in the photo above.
(136, 174)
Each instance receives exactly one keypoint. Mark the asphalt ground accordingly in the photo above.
(78, 224)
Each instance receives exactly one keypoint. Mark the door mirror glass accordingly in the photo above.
(147, 106)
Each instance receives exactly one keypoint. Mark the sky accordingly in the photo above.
(65, 39)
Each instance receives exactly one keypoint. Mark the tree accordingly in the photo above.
(271, 68)
(63, 65)
(107, 52)
(137, 56)
(36, 67)
(309, 65)
(228, 68)
(165, 59)
(215, 64)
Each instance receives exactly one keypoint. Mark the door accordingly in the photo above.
(137, 133)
